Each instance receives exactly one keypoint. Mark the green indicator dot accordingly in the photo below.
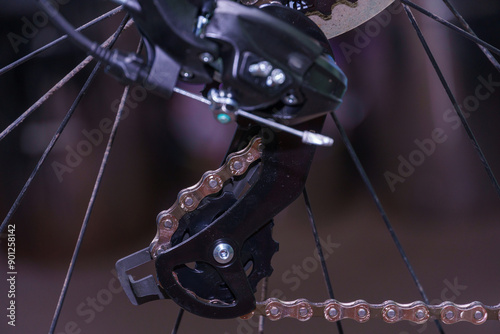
(223, 118)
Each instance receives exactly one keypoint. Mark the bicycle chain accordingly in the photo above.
(211, 182)
(391, 312)
(274, 309)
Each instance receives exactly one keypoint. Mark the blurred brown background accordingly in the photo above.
(446, 212)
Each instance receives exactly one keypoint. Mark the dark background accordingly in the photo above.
(446, 212)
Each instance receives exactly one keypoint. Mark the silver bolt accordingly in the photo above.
(290, 99)
(277, 77)
(420, 314)
(449, 315)
(478, 315)
(362, 312)
(274, 310)
(260, 69)
(213, 183)
(206, 57)
(391, 313)
(332, 312)
(186, 75)
(223, 253)
(188, 201)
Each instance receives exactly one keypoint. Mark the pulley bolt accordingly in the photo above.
(420, 314)
(223, 253)
(333, 312)
(362, 312)
(391, 313)
(449, 315)
(206, 57)
(478, 315)
(274, 311)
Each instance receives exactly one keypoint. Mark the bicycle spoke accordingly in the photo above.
(452, 98)
(382, 212)
(51, 91)
(453, 27)
(90, 207)
(178, 321)
(35, 53)
(263, 296)
(326, 275)
(61, 128)
(466, 26)
(91, 203)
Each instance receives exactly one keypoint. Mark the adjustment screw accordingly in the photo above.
(261, 69)
(223, 253)
(478, 315)
(206, 57)
(276, 78)
(333, 312)
(420, 314)
(391, 313)
(362, 312)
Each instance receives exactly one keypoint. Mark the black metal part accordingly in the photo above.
(323, 7)
(290, 42)
(285, 165)
(256, 253)
(138, 291)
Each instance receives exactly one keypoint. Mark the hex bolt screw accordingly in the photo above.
(276, 78)
(260, 69)
(223, 253)
(449, 315)
(391, 313)
(206, 57)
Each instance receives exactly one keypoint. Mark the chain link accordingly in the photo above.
(210, 183)
(390, 311)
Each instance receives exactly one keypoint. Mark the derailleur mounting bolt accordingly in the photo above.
(223, 253)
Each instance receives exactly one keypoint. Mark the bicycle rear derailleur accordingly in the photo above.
(214, 244)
